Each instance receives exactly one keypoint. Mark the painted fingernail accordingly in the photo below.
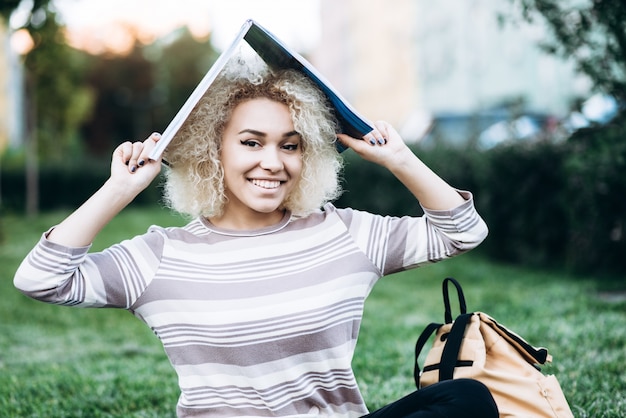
(127, 162)
(133, 169)
(381, 141)
(373, 141)
(141, 163)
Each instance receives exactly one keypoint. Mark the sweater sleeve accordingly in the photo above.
(115, 277)
(400, 243)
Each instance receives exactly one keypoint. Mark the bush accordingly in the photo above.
(370, 187)
(558, 205)
(596, 208)
(66, 186)
(547, 204)
(524, 203)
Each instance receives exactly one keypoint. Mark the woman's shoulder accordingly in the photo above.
(194, 227)
(346, 215)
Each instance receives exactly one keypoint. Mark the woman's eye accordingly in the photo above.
(250, 143)
(290, 147)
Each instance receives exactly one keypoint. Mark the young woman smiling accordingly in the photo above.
(258, 300)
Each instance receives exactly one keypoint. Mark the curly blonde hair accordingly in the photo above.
(194, 182)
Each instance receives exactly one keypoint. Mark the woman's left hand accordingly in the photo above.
(382, 146)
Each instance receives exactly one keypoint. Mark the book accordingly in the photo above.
(276, 55)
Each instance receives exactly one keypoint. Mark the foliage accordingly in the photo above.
(546, 204)
(596, 208)
(64, 186)
(125, 98)
(523, 196)
(80, 103)
(591, 32)
(182, 64)
(368, 186)
(67, 362)
(57, 99)
(140, 92)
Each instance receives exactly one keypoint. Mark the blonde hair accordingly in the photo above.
(194, 182)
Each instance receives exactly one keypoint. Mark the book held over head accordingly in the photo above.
(277, 56)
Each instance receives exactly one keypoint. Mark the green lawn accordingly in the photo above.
(64, 362)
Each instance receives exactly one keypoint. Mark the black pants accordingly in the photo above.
(451, 398)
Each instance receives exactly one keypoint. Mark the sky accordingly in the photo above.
(99, 25)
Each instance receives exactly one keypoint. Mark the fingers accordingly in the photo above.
(135, 154)
(371, 146)
(148, 146)
(375, 137)
(379, 135)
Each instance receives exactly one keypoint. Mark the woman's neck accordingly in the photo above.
(247, 223)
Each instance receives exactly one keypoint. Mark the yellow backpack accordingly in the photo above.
(475, 346)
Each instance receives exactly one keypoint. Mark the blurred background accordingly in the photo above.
(519, 101)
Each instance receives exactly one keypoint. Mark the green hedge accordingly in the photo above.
(595, 169)
(65, 186)
(559, 205)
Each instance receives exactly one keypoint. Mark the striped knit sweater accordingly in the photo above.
(259, 323)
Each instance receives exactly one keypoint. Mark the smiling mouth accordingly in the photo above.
(266, 184)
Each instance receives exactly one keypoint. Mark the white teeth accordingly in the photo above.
(266, 184)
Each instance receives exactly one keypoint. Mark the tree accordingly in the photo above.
(185, 60)
(142, 91)
(56, 100)
(590, 32)
(54, 72)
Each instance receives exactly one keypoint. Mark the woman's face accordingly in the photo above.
(262, 160)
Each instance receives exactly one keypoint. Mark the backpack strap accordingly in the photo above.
(419, 345)
(451, 349)
(446, 298)
(452, 354)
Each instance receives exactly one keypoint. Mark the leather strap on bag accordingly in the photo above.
(451, 349)
(419, 345)
(449, 355)
(446, 298)
(532, 354)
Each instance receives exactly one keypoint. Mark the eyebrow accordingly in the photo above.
(263, 134)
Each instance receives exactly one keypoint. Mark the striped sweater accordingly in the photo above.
(259, 323)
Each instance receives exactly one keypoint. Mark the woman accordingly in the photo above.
(259, 299)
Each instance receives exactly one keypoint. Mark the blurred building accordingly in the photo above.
(367, 52)
(411, 61)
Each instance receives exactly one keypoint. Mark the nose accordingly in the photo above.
(270, 160)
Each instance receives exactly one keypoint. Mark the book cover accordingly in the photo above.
(276, 55)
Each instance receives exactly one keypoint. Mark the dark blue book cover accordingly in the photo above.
(276, 55)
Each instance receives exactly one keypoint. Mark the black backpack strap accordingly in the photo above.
(446, 298)
(451, 349)
(450, 354)
(419, 345)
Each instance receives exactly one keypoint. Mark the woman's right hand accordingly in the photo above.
(131, 172)
(131, 169)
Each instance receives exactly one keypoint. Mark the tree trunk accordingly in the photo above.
(32, 159)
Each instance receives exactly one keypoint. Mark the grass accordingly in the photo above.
(64, 362)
